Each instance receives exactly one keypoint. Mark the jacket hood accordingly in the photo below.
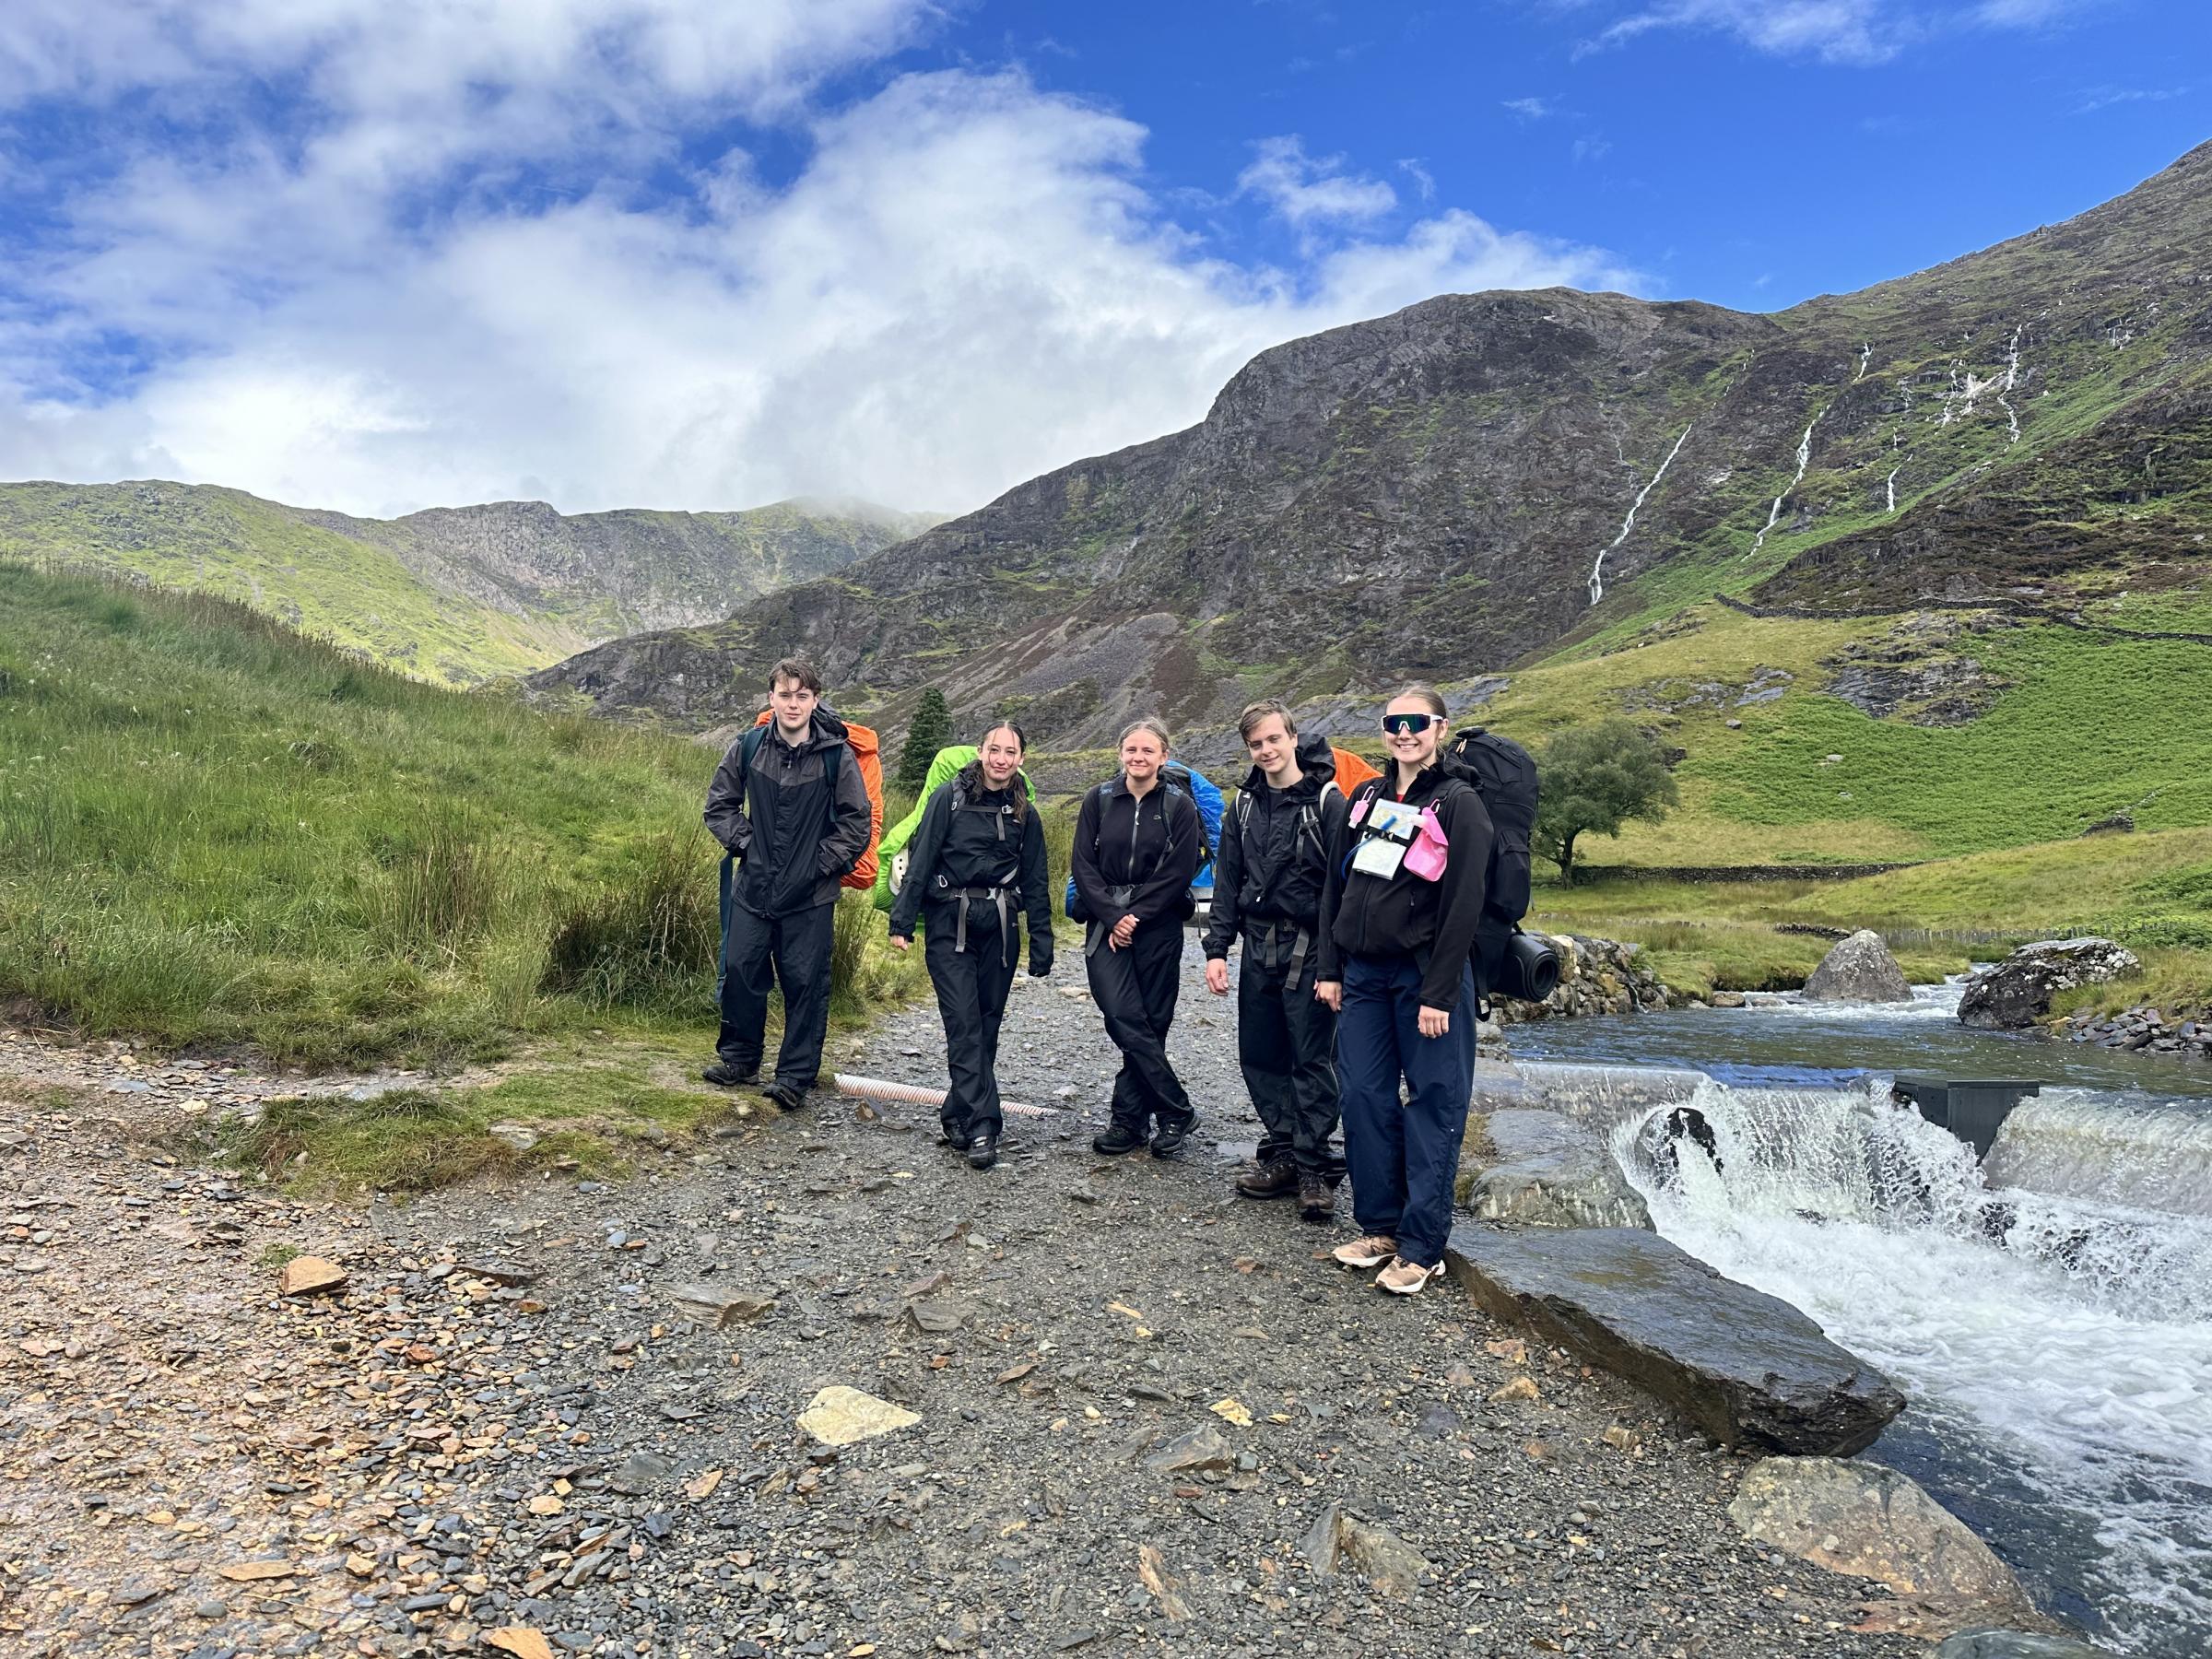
(1316, 758)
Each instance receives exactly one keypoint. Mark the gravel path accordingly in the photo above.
(501, 1422)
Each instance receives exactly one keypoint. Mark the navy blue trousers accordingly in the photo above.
(1404, 1153)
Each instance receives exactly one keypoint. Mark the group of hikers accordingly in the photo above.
(1361, 917)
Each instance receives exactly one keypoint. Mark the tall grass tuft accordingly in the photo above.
(443, 892)
(647, 937)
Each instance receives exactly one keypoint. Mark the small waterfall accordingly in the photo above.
(1866, 356)
(1804, 457)
(2067, 1338)
(1597, 570)
(2080, 1143)
(1889, 484)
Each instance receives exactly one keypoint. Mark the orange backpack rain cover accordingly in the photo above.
(866, 753)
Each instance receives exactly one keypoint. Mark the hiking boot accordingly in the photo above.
(1403, 1278)
(1116, 1139)
(1167, 1140)
(1316, 1196)
(982, 1150)
(1268, 1178)
(959, 1140)
(1371, 1251)
(786, 1098)
(723, 1075)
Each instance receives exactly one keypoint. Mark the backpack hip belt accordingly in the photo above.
(1002, 899)
(1095, 934)
(1263, 944)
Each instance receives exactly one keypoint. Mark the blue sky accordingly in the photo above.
(381, 254)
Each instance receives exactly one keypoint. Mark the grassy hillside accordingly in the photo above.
(2075, 727)
(216, 832)
(452, 596)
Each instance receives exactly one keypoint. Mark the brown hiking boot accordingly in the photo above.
(1268, 1178)
(1316, 1196)
(1403, 1278)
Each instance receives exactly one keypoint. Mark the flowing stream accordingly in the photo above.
(2048, 1310)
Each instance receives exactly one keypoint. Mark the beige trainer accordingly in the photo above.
(1403, 1278)
(1371, 1251)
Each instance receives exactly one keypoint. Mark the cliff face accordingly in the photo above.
(1481, 478)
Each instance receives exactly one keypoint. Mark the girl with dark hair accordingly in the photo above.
(1138, 842)
(1398, 910)
(975, 865)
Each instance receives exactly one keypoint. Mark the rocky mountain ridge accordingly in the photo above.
(450, 593)
(1482, 479)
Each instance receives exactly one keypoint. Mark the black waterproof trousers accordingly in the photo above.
(1136, 990)
(1403, 1149)
(972, 987)
(1287, 1045)
(759, 953)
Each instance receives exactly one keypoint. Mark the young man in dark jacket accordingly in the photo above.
(790, 807)
(1268, 882)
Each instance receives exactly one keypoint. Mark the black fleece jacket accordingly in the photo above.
(792, 840)
(980, 844)
(1367, 915)
(1266, 871)
(1155, 845)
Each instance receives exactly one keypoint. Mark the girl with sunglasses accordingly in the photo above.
(1398, 910)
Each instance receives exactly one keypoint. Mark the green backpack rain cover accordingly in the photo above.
(890, 858)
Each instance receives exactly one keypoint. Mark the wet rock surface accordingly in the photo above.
(1544, 1169)
(1744, 1366)
(1859, 969)
(429, 1460)
(2017, 993)
(1596, 976)
(2147, 1030)
(1873, 1522)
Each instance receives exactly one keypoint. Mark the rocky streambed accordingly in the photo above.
(565, 1416)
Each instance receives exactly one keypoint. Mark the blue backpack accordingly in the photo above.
(1180, 780)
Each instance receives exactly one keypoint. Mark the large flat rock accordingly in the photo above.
(1745, 1367)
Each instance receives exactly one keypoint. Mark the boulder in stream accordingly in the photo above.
(1746, 1367)
(2018, 991)
(1873, 1523)
(1860, 968)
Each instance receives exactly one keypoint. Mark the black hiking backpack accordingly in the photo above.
(1507, 960)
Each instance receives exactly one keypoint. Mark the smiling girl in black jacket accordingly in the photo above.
(976, 867)
(1398, 911)
(1138, 843)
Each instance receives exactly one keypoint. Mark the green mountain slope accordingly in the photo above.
(454, 595)
(214, 831)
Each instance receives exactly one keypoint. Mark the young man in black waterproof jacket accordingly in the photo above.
(1267, 880)
(789, 804)
(1138, 842)
(974, 868)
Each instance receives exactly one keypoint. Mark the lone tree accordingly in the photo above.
(931, 730)
(1592, 780)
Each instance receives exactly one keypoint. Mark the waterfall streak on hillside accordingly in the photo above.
(1597, 570)
(1866, 355)
(2012, 375)
(1804, 456)
(1889, 484)
(2061, 1340)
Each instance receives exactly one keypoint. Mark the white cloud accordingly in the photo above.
(1528, 109)
(966, 282)
(1835, 32)
(1312, 190)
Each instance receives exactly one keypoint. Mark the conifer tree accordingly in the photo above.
(930, 731)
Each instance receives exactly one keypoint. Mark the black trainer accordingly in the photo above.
(785, 1096)
(982, 1148)
(723, 1075)
(1116, 1139)
(1167, 1140)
